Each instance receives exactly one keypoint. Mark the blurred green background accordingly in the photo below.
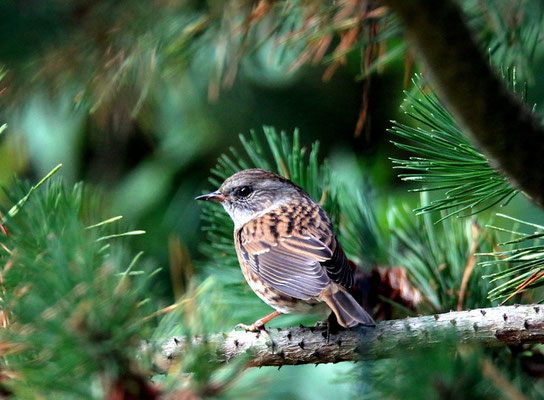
(138, 99)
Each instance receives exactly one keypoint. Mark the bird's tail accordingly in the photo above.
(348, 312)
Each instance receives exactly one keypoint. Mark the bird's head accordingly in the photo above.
(252, 192)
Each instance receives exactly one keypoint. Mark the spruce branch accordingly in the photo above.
(498, 326)
(501, 125)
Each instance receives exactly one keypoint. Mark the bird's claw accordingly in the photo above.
(251, 328)
(258, 328)
(320, 323)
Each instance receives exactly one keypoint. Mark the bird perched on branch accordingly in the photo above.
(287, 248)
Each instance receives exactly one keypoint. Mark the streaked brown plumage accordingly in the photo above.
(287, 248)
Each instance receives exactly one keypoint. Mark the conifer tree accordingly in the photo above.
(79, 316)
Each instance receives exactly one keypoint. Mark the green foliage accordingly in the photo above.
(436, 257)
(520, 268)
(167, 38)
(76, 307)
(72, 301)
(511, 32)
(363, 237)
(15, 209)
(446, 160)
(448, 163)
(447, 371)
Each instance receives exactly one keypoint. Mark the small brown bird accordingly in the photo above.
(287, 248)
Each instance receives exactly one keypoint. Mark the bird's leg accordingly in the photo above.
(333, 326)
(258, 325)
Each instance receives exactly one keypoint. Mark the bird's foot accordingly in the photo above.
(333, 327)
(257, 326)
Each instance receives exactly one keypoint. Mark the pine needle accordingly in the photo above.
(520, 268)
(15, 209)
(446, 160)
(102, 223)
(118, 235)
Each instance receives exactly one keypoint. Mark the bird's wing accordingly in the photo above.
(288, 250)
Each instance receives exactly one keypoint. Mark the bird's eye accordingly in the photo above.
(244, 191)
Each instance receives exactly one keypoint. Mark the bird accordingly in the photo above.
(287, 249)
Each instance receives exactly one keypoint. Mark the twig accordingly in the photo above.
(534, 277)
(308, 345)
(469, 267)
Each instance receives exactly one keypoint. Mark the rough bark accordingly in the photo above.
(502, 126)
(303, 345)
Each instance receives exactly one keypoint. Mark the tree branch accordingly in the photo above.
(500, 123)
(292, 346)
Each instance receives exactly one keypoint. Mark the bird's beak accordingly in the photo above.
(213, 196)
